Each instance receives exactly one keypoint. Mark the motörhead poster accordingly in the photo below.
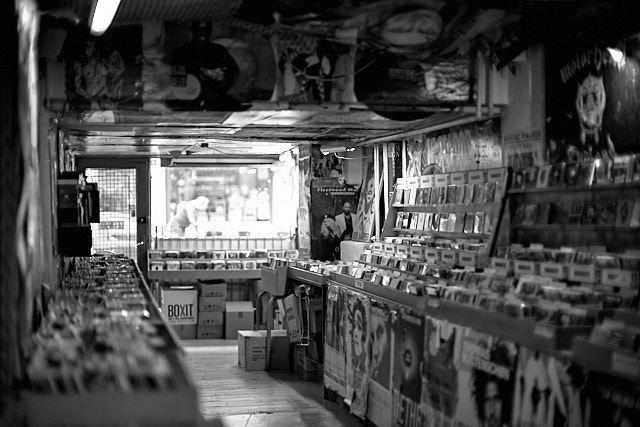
(592, 102)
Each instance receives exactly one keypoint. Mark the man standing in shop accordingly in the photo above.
(346, 222)
(187, 214)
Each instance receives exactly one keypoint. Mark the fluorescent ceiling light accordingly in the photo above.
(101, 16)
(616, 55)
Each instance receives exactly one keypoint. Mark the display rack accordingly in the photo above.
(557, 216)
(456, 206)
(170, 398)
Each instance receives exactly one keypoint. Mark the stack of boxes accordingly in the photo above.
(211, 307)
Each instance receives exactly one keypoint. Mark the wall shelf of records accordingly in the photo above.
(593, 202)
(457, 206)
(430, 347)
(103, 346)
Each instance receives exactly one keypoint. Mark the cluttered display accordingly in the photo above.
(190, 259)
(103, 344)
(461, 331)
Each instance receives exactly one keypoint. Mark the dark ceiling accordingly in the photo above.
(523, 23)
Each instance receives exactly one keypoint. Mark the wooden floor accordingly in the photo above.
(231, 396)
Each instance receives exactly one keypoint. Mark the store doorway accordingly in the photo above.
(124, 206)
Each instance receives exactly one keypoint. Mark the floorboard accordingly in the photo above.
(230, 396)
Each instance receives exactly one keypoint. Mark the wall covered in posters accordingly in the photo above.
(593, 99)
(459, 148)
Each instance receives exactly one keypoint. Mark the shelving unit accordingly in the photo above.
(557, 230)
(486, 187)
(203, 274)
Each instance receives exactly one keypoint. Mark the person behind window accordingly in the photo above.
(329, 239)
(187, 214)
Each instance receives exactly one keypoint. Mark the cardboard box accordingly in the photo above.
(179, 304)
(212, 304)
(210, 332)
(252, 350)
(218, 289)
(211, 318)
(239, 317)
(306, 368)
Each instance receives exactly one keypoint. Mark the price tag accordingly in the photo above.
(552, 270)
(431, 180)
(524, 267)
(433, 302)
(617, 277)
(424, 181)
(496, 174)
(442, 180)
(543, 331)
(448, 256)
(360, 284)
(582, 273)
(458, 178)
(476, 177)
(468, 259)
(625, 364)
(413, 182)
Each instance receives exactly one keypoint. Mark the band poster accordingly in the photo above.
(459, 148)
(334, 339)
(592, 102)
(486, 380)
(440, 371)
(304, 219)
(408, 359)
(357, 349)
(381, 342)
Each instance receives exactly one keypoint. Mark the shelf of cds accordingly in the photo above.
(593, 202)
(104, 347)
(462, 207)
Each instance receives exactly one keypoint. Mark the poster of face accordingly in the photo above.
(547, 392)
(104, 73)
(486, 380)
(357, 350)
(592, 102)
(408, 362)
(439, 372)
(334, 341)
(333, 217)
(212, 66)
(366, 207)
(381, 344)
(613, 402)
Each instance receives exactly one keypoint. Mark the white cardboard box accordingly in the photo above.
(252, 350)
(239, 317)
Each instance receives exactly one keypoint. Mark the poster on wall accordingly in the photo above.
(613, 402)
(104, 73)
(357, 350)
(304, 218)
(334, 341)
(440, 371)
(380, 365)
(333, 216)
(213, 66)
(592, 102)
(366, 205)
(548, 392)
(408, 359)
(459, 148)
(486, 380)
(311, 70)
(523, 149)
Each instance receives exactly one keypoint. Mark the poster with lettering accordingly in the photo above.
(592, 103)
(408, 360)
(461, 148)
(304, 188)
(357, 350)
(331, 198)
(381, 342)
(486, 380)
(439, 372)
(334, 341)
(523, 149)
(613, 402)
(547, 391)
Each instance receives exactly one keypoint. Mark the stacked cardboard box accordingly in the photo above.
(179, 306)
(239, 317)
(211, 305)
(252, 350)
